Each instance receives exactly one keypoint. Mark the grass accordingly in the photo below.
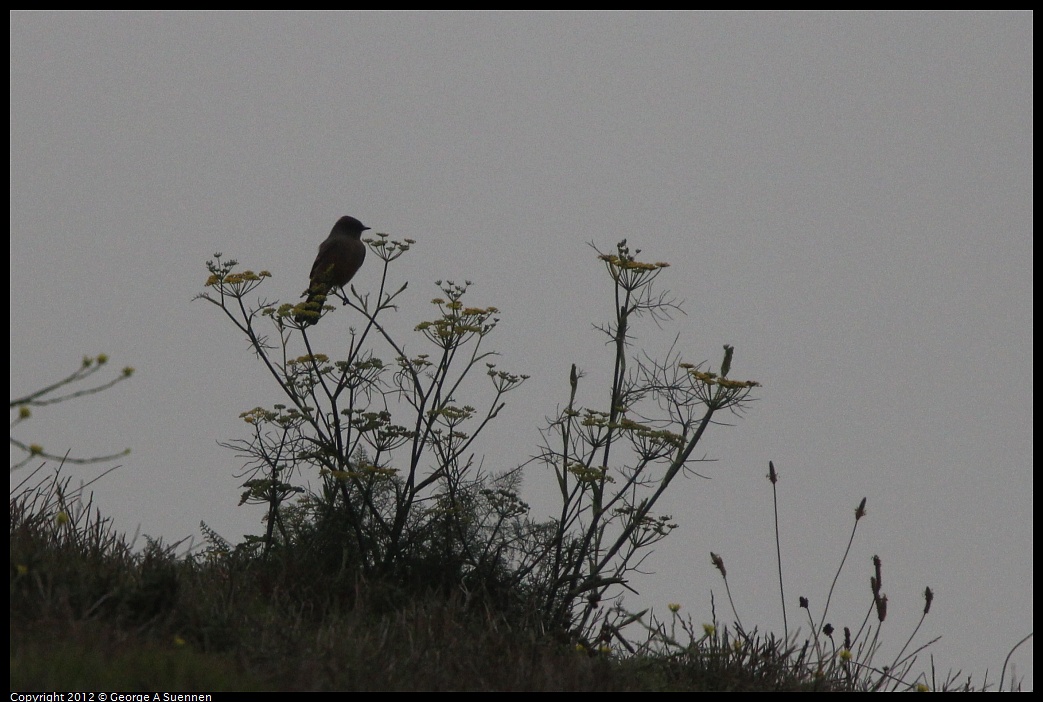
(90, 611)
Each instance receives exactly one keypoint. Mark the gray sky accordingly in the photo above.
(846, 198)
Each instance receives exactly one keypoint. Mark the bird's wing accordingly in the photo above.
(326, 259)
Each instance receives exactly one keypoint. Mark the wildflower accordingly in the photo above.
(178, 641)
(23, 412)
(103, 358)
(845, 654)
(62, 517)
(35, 449)
(674, 607)
(22, 569)
(920, 687)
(709, 629)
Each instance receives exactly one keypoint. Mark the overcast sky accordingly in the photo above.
(846, 198)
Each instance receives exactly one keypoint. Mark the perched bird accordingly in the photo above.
(340, 257)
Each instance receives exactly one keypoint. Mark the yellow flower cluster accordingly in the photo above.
(458, 322)
(713, 379)
(319, 358)
(591, 474)
(216, 279)
(630, 264)
(258, 415)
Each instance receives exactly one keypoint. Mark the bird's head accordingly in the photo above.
(350, 225)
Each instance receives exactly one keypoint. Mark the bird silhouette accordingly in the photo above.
(339, 259)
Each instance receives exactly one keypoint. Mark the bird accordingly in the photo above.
(339, 259)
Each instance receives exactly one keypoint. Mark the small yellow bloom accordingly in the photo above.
(128, 371)
(35, 449)
(22, 569)
(103, 358)
(62, 517)
(845, 654)
(709, 629)
(24, 412)
(178, 641)
(920, 687)
(674, 607)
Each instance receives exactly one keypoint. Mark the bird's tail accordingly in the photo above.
(310, 310)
